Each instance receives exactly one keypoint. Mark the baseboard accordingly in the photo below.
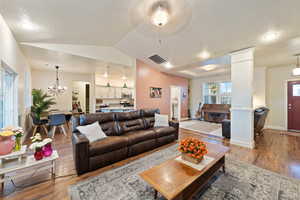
(281, 128)
(242, 143)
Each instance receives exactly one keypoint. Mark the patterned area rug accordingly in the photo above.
(202, 127)
(241, 182)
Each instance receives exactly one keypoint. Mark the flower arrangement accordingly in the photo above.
(41, 147)
(192, 149)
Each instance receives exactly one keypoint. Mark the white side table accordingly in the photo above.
(18, 169)
(14, 155)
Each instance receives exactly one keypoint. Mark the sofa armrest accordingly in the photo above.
(175, 124)
(80, 152)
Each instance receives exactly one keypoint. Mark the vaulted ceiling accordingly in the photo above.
(216, 26)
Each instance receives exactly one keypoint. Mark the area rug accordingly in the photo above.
(202, 127)
(241, 181)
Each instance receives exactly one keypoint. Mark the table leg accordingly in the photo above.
(2, 183)
(223, 169)
(53, 169)
(155, 194)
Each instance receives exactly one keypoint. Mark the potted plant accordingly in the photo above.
(41, 102)
(192, 149)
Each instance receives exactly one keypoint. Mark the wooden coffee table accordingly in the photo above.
(175, 180)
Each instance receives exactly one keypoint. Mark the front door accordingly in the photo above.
(294, 105)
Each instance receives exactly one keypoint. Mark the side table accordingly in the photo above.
(17, 169)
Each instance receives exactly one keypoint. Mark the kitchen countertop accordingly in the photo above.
(117, 108)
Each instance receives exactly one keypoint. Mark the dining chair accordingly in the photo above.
(68, 119)
(38, 123)
(57, 120)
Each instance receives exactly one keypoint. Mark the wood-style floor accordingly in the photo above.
(275, 151)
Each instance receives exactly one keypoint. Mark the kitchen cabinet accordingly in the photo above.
(103, 92)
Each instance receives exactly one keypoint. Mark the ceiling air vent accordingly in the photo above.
(157, 59)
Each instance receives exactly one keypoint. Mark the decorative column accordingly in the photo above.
(242, 119)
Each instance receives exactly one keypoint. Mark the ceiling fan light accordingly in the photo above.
(160, 16)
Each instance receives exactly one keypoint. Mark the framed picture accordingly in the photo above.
(155, 92)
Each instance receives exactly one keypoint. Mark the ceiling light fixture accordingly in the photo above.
(124, 78)
(160, 16)
(56, 89)
(270, 36)
(204, 54)
(296, 71)
(168, 65)
(209, 67)
(107, 72)
(28, 25)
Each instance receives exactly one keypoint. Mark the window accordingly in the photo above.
(217, 93)
(8, 98)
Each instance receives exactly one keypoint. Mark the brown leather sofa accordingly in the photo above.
(129, 134)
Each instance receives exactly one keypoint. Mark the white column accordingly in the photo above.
(242, 119)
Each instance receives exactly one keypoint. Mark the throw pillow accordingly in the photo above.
(161, 120)
(93, 132)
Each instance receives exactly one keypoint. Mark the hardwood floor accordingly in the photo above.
(275, 151)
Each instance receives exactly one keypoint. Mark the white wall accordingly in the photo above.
(42, 79)
(277, 78)
(12, 56)
(196, 86)
(259, 87)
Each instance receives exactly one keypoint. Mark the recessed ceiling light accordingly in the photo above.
(209, 67)
(168, 65)
(28, 25)
(270, 36)
(204, 54)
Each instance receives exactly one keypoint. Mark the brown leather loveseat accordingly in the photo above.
(129, 134)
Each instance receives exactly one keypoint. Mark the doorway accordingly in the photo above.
(293, 106)
(81, 97)
(175, 103)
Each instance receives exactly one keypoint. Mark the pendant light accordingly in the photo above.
(56, 89)
(296, 71)
(107, 72)
(124, 77)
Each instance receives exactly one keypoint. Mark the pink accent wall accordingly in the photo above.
(146, 77)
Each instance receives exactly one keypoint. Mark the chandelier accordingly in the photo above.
(56, 89)
(160, 16)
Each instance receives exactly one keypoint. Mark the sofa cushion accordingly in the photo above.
(140, 136)
(129, 121)
(161, 120)
(108, 144)
(164, 131)
(93, 132)
(106, 121)
(148, 115)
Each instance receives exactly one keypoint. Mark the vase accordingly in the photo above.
(6, 145)
(18, 144)
(38, 155)
(188, 158)
(47, 150)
